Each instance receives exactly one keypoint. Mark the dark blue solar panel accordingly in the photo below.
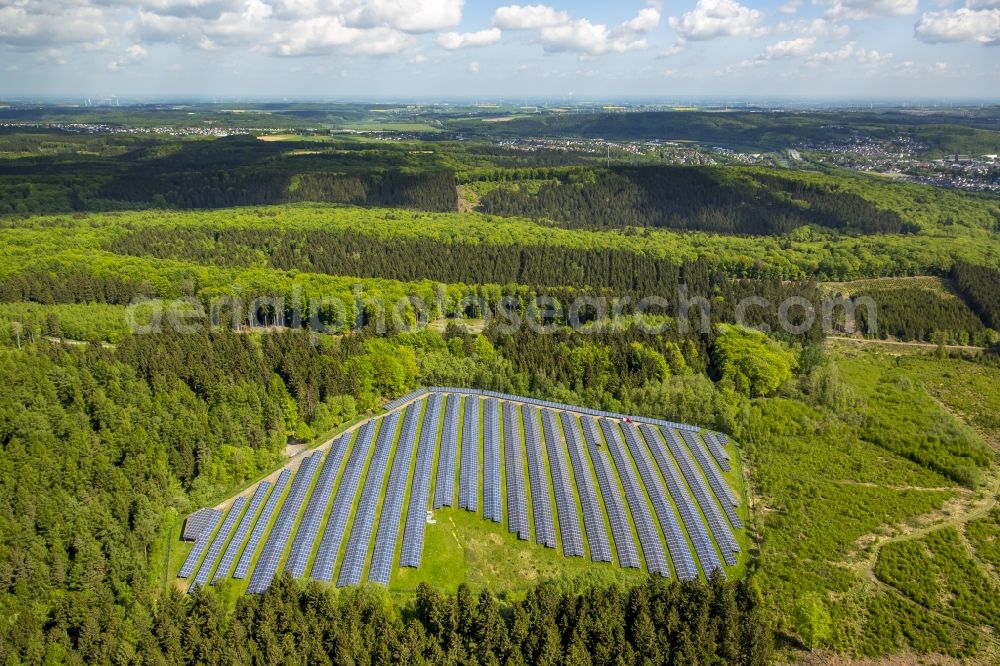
(233, 549)
(333, 535)
(569, 519)
(274, 547)
(593, 517)
(416, 513)
(444, 488)
(468, 490)
(716, 447)
(220, 540)
(392, 504)
(517, 498)
(677, 545)
(305, 536)
(364, 517)
(541, 504)
(693, 521)
(263, 523)
(714, 476)
(628, 555)
(721, 530)
(492, 504)
(201, 543)
(649, 536)
(560, 406)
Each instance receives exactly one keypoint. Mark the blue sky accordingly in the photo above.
(489, 50)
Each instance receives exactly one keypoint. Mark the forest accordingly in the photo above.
(702, 199)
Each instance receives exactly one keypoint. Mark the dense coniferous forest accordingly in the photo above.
(918, 313)
(697, 199)
(980, 286)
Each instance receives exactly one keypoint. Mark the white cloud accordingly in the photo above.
(790, 7)
(983, 4)
(644, 21)
(473, 67)
(459, 40)
(557, 31)
(329, 34)
(678, 47)
(38, 26)
(853, 10)
(301, 27)
(962, 25)
(872, 59)
(818, 27)
(414, 16)
(582, 36)
(792, 48)
(528, 17)
(206, 9)
(827, 57)
(717, 18)
(133, 54)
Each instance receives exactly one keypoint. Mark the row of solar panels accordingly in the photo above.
(679, 483)
(419, 393)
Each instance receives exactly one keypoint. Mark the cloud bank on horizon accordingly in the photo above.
(453, 47)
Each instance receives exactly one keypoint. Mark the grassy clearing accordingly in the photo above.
(462, 547)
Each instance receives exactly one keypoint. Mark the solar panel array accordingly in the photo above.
(220, 540)
(685, 473)
(364, 517)
(211, 519)
(392, 504)
(628, 555)
(517, 499)
(274, 547)
(569, 519)
(305, 537)
(649, 536)
(693, 522)
(336, 524)
(593, 519)
(416, 513)
(492, 505)
(444, 489)
(402, 400)
(721, 530)
(468, 490)
(541, 505)
(715, 480)
(559, 406)
(197, 523)
(263, 521)
(249, 516)
(677, 545)
(716, 448)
